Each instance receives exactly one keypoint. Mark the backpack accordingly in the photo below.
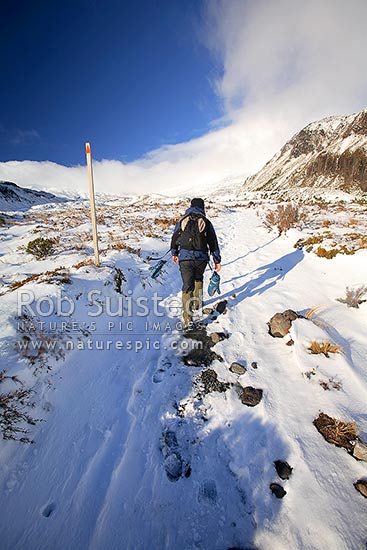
(193, 233)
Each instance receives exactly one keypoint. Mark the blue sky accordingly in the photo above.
(128, 76)
(175, 94)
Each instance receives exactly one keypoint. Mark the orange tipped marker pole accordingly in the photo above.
(92, 203)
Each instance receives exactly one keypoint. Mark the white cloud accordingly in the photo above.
(285, 64)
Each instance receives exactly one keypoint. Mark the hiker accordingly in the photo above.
(192, 240)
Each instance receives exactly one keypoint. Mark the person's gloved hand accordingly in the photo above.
(175, 259)
(214, 282)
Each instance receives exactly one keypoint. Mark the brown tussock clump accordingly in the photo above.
(335, 431)
(314, 310)
(324, 348)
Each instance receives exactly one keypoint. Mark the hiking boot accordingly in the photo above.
(187, 307)
(197, 302)
(193, 327)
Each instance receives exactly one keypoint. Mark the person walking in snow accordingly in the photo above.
(192, 240)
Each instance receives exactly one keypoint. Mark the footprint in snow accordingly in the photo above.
(162, 367)
(174, 463)
(48, 510)
(208, 491)
(158, 375)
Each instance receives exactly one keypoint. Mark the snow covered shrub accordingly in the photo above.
(324, 347)
(40, 247)
(81, 241)
(283, 217)
(18, 284)
(13, 404)
(119, 278)
(119, 244)
(84, 263)
(60, 275)
(37, 345)
(353, 297)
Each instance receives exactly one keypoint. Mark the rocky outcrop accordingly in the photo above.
(328, 155)
(349, 166)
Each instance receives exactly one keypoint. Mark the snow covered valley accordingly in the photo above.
(131, 448)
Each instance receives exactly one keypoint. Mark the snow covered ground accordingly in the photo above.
(130, 454)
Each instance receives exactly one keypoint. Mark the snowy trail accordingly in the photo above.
(96, 477)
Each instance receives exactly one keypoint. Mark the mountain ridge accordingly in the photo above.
(326, 155)
(14, 197)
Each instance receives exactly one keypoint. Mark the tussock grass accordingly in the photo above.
(165, 223)
(335, 431)
(315, 310)
(354, 296)
(321, 252)
(324, 348)
(60, 275)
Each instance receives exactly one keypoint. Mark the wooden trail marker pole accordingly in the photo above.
(92, 203)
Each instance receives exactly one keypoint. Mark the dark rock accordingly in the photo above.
(361, 486)
(200, 355)
(251, 396)
(199, 334)
(277, 490)
(290, 342)
(237, 368)
(221, 307)
(209, 379)
(188, 472)
(283, 469)
(254, 364)
(280, 323)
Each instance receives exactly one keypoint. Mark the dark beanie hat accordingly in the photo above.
(198, 202)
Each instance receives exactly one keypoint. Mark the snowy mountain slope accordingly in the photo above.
(118, 421)
(13, 197)
(327, 155)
